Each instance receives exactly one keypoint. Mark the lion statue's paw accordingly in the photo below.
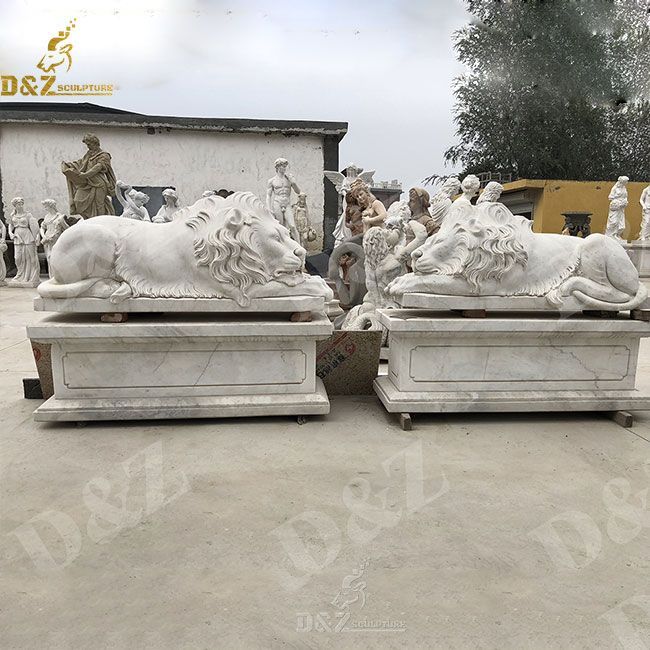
(403, 284)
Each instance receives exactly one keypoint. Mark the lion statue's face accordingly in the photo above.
(242, 244)
(437, 254)
(285, 257)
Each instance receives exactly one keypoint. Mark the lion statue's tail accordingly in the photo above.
(594, 303)
(52, 289)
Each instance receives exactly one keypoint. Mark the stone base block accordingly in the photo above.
(170, 408)
(447, 363)
(639, 252)
(396, 401)
(181, 367)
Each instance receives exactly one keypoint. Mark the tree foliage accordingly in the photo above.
(554, 89)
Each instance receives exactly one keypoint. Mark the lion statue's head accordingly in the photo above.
(478, 248)
(242, 244)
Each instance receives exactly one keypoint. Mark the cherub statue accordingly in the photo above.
(301, 217)
(385, 258)
(441, 202)
(645, 214)
(3, 248)
(168, 208)
(617, 204)
(24, 232)
(133, 202)
(404, 234)
(343, 184)
(278, 196)
(491, 193)
(52, 227)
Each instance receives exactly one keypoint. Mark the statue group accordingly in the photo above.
(618, 202)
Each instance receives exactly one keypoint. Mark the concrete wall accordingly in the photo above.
(191, 161)
(552, 198)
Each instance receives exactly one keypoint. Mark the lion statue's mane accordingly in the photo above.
(217, 248)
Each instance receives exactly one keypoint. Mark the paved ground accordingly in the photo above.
(503, 531)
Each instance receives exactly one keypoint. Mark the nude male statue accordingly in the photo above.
(278, 197)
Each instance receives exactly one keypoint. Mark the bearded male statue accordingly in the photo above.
(91, 181)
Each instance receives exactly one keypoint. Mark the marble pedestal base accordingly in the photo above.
(445, 363)
(193, 366)
(639, 252)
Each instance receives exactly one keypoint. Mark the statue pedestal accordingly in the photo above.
(639, 252)
(443, 363)
(181, 366)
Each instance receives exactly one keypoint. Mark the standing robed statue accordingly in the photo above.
(91, 181)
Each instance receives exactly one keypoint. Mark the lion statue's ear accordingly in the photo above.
(236, 219)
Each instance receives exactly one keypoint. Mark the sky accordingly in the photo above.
(384, 66)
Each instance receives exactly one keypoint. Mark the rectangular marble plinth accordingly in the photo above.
(443, 363)
(179, 305)
(181, 367)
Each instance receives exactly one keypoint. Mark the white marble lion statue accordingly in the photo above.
(217, 248)
(485, 250)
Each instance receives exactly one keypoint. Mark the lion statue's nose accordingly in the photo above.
(300, 252)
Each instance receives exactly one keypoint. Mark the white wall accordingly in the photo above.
(191, 161)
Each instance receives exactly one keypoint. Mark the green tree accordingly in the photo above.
(554, 89)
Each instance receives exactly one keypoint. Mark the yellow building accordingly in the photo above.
(544, 201)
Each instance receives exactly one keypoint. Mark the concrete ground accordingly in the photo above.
(502, 531)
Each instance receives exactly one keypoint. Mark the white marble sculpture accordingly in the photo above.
(217, 248)
(169, 208)
(485, 250)
(343, 184)
(617, 204)
(386, 253)
(133, 202)
(25, 234)
(278, 196)
(469, 186)
(442, 200)
(644, 235)
(3, 248)
(491, 193)
(208, 193)
(301, 218)
(52, 227)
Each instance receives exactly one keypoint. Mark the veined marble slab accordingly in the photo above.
(62, 410)
(414, 321)
(181, 367)
(186, 305)
(396, 401)
(489, 303)
(441, 362)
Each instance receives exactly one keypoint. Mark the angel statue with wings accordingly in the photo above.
(343, 183)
